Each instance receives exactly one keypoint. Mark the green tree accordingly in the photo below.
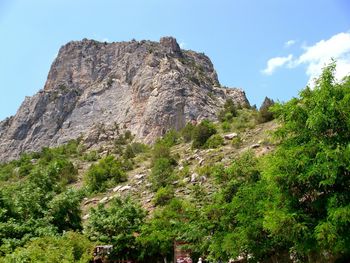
(311, 170)
(202, 132)
(71, 247)
(162, 173)
(64, 211)
(117, 225)
(167, 224)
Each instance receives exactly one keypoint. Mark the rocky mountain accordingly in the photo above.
(94, 89)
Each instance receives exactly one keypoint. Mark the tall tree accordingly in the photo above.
(311, 170)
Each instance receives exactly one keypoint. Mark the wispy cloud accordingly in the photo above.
(289, 43)
(276, 62)
(316, 56)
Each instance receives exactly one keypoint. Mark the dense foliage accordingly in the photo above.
(311, 172)
(106, 173)
(201, 133)
(34, 198)
(70, 247)
(118, 225)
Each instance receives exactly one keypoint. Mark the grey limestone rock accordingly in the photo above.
(93, 87)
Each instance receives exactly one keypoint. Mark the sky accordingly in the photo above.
(268, 48)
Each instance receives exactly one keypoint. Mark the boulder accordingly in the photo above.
(230, 136)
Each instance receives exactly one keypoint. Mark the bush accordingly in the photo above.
(64, 211)
(64, 170)
(138, 147)
(128, 153)
(106, 172)
(71, 247)
(160, 150)
(91, 156)
(246, 119)
(187, 132)
(124, 139)
(228, 112)
(171, 138)
(214, 141)
(226, 126)
(202, 133)
(162, 173)
(163, 195)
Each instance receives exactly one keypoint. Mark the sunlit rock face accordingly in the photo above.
(143, 86)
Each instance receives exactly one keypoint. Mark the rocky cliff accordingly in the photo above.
(93, 88)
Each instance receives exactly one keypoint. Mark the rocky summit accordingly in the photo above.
(95, 88)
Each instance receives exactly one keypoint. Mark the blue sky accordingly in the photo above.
(267, 47)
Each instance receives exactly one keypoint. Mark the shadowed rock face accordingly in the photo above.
(93, 87)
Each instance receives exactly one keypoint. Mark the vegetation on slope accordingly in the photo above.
(290, 205)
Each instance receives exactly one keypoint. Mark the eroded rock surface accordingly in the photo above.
(94, 87)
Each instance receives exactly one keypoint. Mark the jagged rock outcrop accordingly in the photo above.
(93, 87)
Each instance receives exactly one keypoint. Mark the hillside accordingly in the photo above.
(69, 180)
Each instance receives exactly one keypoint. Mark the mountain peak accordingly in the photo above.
(144, 86)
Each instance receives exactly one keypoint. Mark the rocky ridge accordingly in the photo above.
(94, 89)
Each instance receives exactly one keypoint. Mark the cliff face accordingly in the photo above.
(145, 87)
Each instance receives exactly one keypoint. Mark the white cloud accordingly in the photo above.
(316, 56)
(289, 43)
(182, 45)
(276, 62)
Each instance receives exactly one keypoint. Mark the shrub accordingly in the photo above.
(71, 247)
(214, 141)
(128, 153)
(138, 147)
(66, 171)
(228, 112)
(246, 119)
(171, 138)
(162, 173)
(163, 195)
(202, 133)
(160, 150)
(101, 175)
(226, 126)
(187, 132)
(185, 172)
(123, 139)
(205, 170)
(91, 156)
(128, 135)
(64, 211)
(218, 172)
